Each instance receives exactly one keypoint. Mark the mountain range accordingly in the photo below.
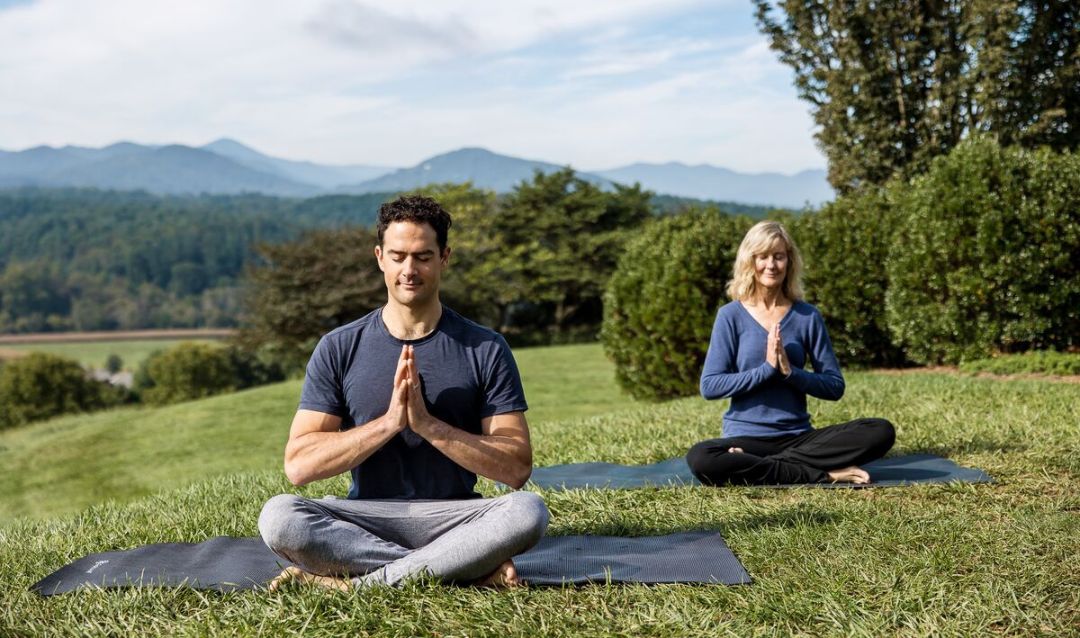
(226, 166)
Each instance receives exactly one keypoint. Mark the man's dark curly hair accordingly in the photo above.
(418, 210)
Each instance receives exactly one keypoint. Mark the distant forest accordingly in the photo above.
(75, 259)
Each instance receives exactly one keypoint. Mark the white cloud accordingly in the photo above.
(393, 82)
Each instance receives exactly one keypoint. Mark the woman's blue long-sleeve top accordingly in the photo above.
(763, 401)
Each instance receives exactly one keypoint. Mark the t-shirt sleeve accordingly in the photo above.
(503, 391)
(322, 391)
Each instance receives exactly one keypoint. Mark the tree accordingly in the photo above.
(305, 288)
(114, 363)
(894, 84)
(564, 235)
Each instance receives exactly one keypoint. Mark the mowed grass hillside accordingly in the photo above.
(64, 465)
(933, 560)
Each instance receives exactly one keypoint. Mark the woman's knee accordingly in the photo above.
(701, 456)
(884, 434)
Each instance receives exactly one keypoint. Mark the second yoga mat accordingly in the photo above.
(889, 472)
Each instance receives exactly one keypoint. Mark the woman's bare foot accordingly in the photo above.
(295, 574)
(852, 474)
(505, 576)
(734, 450)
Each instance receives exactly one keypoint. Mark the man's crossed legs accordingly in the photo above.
(386, 541)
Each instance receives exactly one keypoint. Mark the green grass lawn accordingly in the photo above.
(131, 452)
(94, 353)
(963, 560)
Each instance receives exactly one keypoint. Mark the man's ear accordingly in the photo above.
(378, 257)
(445, 257)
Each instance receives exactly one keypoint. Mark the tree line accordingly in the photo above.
(532, 264)
(83, 259)
(78, 259)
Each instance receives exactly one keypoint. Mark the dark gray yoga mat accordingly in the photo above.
(889, 472)
(228, 564)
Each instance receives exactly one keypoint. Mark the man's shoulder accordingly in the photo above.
(468, 332)
(352, 329)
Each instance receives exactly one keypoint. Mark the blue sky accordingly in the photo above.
(594, 84)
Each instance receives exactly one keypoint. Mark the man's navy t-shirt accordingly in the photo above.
(466, 371)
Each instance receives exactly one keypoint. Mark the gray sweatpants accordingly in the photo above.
(384, 541)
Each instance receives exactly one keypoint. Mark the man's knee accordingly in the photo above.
(279, 523)
(528, 514)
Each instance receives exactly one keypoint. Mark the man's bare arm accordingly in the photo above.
(318, 450)
(502, 452)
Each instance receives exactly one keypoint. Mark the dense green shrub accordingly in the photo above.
(42, 385)
(987, 254)
(190, 371)
(1039, 362)
(252, 368)
(114, 363)
(844, 247)
(661, 301)
(184, 372)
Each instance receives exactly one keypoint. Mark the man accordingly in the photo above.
(415, 401)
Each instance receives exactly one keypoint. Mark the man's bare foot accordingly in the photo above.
(295, 574)
(734, 450)
(505, 576)
(852, 474)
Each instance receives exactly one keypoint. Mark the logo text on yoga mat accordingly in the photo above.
(96, 565)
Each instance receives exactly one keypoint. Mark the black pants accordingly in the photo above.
(800, 458)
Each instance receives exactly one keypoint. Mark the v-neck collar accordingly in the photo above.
(758, 323)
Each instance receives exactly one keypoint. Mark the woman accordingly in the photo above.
(759, 347)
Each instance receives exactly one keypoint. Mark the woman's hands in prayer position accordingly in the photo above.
(775, 355)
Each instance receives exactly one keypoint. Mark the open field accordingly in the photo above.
(951, 560)
(94, 353)
(130, 452)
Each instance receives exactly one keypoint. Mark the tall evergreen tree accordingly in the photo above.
(895, 83)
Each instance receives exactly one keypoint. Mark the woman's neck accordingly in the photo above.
(769, 298)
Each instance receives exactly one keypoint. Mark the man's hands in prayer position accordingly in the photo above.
(502, 453)
(398, 413)
(418, 418)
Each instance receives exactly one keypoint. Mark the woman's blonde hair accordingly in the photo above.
(760, 240)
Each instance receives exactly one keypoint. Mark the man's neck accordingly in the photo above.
(408, 323)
